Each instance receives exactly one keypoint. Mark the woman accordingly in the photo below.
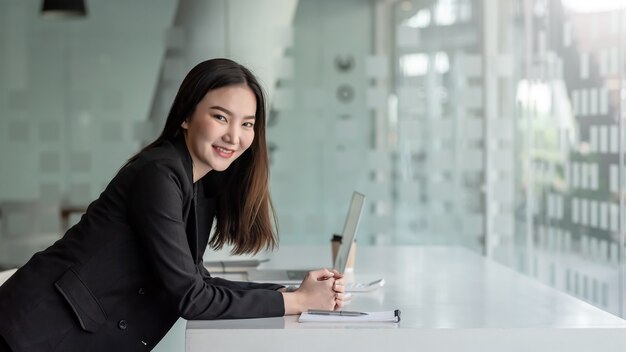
(120, 278)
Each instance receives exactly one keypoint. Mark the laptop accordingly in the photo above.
(348, 235)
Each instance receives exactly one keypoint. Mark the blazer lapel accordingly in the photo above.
(192, 225)
(192, 219)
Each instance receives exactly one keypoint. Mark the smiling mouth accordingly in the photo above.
(223, 151)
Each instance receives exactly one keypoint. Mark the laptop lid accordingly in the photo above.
(349, 231)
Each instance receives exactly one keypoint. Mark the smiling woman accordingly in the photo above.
(121, 277)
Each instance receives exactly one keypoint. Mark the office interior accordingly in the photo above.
(492, 125)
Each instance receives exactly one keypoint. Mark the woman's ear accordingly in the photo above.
(185, 124)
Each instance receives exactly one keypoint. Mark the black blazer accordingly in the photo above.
(120, 278)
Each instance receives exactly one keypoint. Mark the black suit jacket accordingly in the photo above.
(120, 278)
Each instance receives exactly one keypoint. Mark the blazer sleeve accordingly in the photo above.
(156, 213)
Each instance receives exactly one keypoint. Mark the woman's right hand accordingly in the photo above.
(320, 289)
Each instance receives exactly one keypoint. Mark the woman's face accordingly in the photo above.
(220, 129)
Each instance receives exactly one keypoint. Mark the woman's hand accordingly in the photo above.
(339, 289)
(320, 289)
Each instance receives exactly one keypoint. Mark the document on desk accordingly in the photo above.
(392, 316)
(233, 266)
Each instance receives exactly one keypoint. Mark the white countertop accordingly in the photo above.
(438, 290)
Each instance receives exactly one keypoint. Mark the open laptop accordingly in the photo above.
(348, 235)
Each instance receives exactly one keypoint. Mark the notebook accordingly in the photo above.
(290, 277)
(392, 316)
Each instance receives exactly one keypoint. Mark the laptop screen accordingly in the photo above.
(349, 231)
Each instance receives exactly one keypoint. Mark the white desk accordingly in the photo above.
(451, 300)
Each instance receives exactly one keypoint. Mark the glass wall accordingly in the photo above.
(509, 137)
(570, 141)
(439, 142)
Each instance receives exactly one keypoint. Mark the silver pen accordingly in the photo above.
(344, 313)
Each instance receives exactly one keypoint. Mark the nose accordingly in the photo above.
(232, 135)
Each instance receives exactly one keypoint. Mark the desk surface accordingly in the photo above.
(434, 287)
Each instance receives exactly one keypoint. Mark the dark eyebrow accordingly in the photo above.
(251, 117)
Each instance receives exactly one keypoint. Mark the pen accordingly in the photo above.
(344, 313)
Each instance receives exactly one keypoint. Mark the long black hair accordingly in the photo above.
(245, 214)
